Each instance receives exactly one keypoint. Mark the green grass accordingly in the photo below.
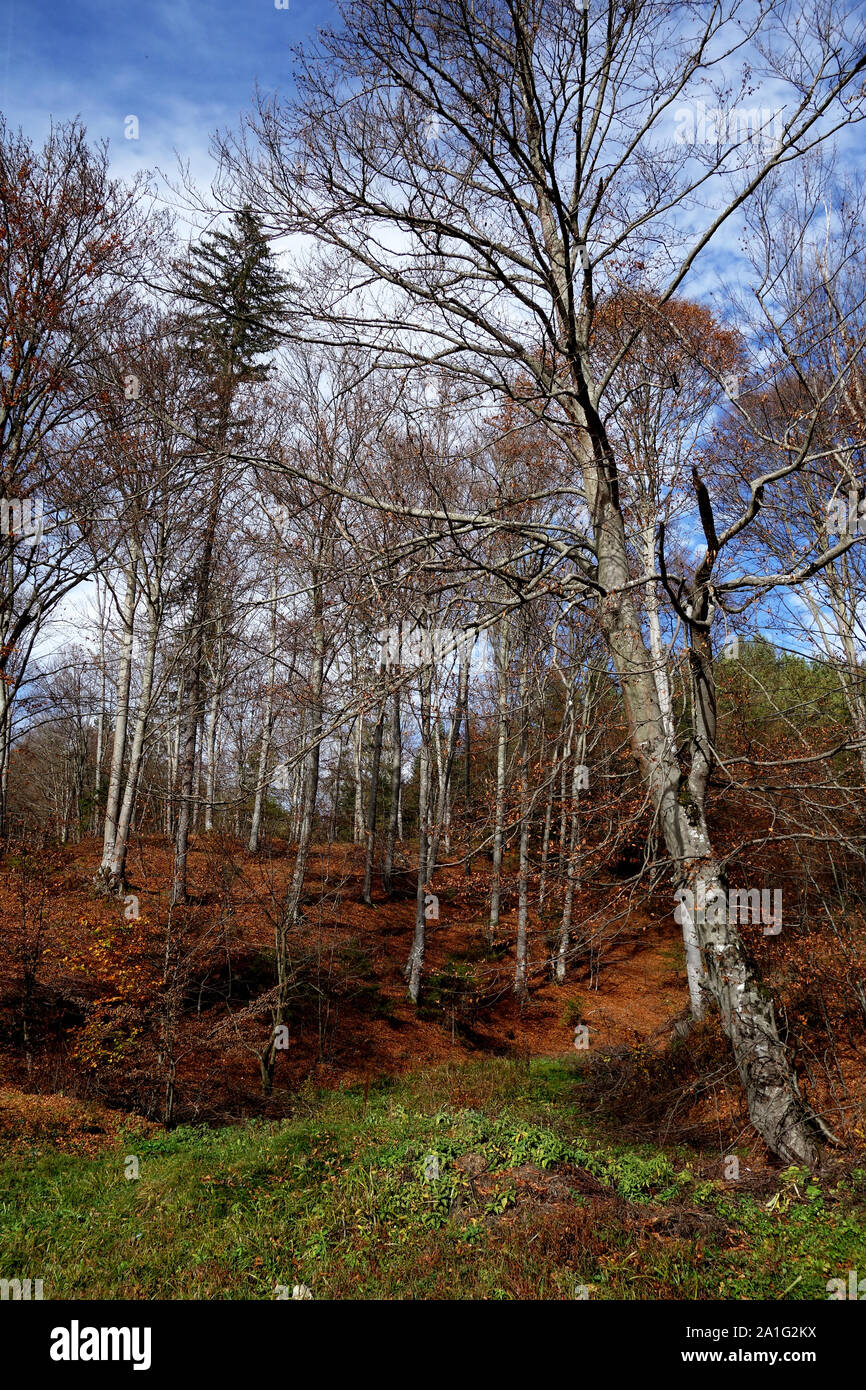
(337, 1198)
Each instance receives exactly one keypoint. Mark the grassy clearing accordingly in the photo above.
(529, 1202)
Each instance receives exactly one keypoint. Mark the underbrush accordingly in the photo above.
(472, 1182)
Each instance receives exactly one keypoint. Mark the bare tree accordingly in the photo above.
(541, 187)
(66, 229)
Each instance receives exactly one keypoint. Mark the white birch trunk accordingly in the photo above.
(124, 677)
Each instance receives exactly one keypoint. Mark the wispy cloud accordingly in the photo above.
(181, 67)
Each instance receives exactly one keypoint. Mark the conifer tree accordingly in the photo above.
(237, 297)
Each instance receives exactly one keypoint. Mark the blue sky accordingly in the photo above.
(182, 67)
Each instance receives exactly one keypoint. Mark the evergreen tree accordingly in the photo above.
(237, 297)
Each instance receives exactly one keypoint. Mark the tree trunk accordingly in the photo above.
(661, 675)
(124, 677)
(415, 963)
(213, 719)
(521, 967)
(578, 748)
(335, 804)
(309, 795)
(173, 761)
(117, 865)
(446, 767)
(357, 751)
(262, 781)
(560, 754)
(192, 687)
(502, 654)
(372, 803)
(187, 746)
(100, 721)
(394, 803)
(465, 660)
(774, 1101)
(5, 753)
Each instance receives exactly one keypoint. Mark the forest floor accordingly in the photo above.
(85, 1012)
(627, 1169)
(92, 969)
(479, 1181)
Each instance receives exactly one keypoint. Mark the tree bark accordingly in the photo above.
(578, 748)
(465, 660)
(502, 661)
(213, 722)
(521, 966)
(192, 687)
(335, 804)
(309, 794)
(394, 802)
(262, 779)
(775, 1105)
(415, 963)
(124, 678)
(117, 866)
(446, 767)
(372, 804)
